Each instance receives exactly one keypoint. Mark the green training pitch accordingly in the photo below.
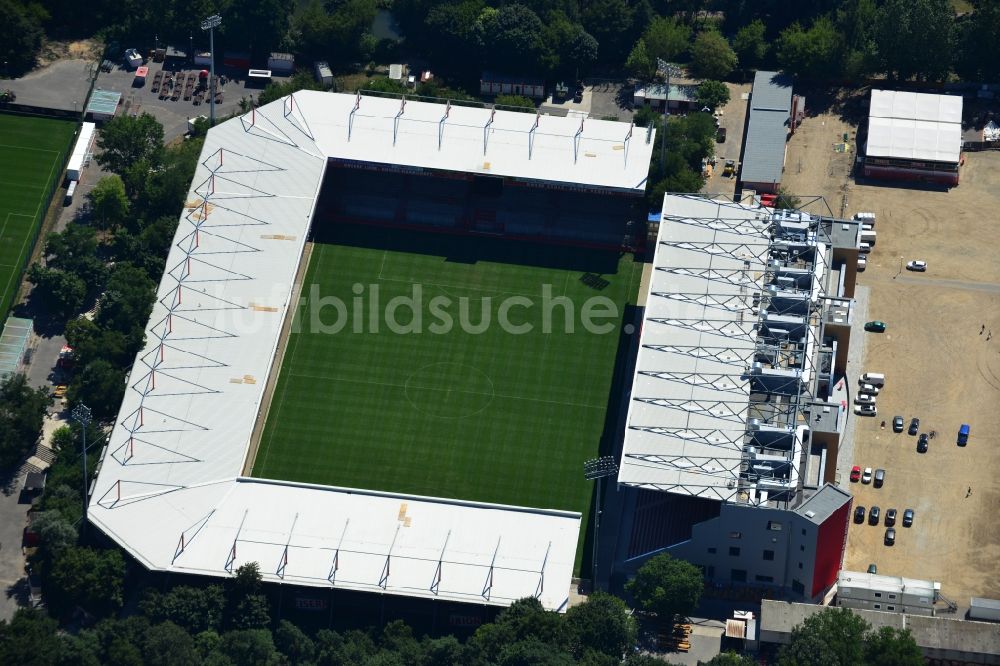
(492, 416)
(31, 154)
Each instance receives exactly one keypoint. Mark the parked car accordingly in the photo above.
(872, 569)
(870, 389)
(963, 434)
(922, 443)
(864, 399)
(879, 477)
(873, 515)
(914, 426)
(897, 424)
(859, 514)
(916, 265)
(890, 536)
(907, 517)
(875, 326)
(720, 135)
(729, 171)
(865, 410)
(890, 518)
(866, 476)
(855, 473)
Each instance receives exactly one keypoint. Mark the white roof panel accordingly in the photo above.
(690, 393)
(917, 126)
(176, 452)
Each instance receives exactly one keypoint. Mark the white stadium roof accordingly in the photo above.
(918, 126)
(170, 490)
(690, 397)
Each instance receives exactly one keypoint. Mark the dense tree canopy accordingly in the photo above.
(711, 56)
(22, 409)
(667, 586)
(126, 141)
(838, 637)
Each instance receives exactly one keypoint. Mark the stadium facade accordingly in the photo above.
(729, 457)
(171, 487)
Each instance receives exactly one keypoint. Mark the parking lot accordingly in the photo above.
(941, 364)
(173, 114)
(733, 119)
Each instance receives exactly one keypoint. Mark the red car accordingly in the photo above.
(855, 473)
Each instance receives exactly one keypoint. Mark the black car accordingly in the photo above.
(914, 425)
(873, 516)
(720, 135)
(897, 424)
(890, 518)
(890, 536)
(859, 514)
(907, 517)
(922, 443)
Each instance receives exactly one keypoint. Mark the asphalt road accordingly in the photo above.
(61, 85)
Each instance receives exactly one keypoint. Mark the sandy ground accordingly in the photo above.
(733, 118)
(938, 366)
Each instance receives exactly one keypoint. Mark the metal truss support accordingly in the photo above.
(725, 302)
(729, 410)
(488, 586)
(383, 581)
(541, 572)
(737, 277)
(231, 559)
(727, 328)
(727, 355)
(746, 252)
(335, 565)
(739, 226)
(280, 572)
(732, 383)
(708, 436)
(436, 583)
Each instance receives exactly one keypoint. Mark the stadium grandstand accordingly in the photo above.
(737, 400)
(170, 488)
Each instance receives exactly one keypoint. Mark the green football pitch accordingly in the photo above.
(493, 416)
(31, 154)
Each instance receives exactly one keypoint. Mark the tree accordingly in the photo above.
(978, 43)
(512, 36)
(166, 644)
(787, 200)
(250, 647)
(194, 609)
(62, 293)
(914, 38)
(86, 577)
(666, 38)
(611, 22)
(729, 659)
(100, 386)
(128, 300)
(127, 140)
(55, 532)
(667, 586)
(891, 647)
(639, 63)
(602, 624)
(515, 103)
(386, 85)
(22, 410)
(711, 55)
(30, 638)
(20, 35)
(524, 619)
(834, 636)
(109, 202)
(713, 94)
(812, 54)
(750, 43)
(293, 643)
(247, 607)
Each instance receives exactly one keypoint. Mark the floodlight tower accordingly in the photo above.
(596, 470)
(82, 415)
(668, 71)
(210, 24)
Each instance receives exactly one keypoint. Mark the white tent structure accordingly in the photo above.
(170, 488)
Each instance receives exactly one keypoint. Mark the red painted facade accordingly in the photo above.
(831, 542)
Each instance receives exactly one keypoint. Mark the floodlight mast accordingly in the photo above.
(210, 24)
(82, 415)
(597, 469)
(668, 70)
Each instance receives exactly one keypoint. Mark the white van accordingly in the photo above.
(862, 263)
(864, 248)
(873, 378)
(870, 389)
(70, 191)
(868, 237)
(865, 218)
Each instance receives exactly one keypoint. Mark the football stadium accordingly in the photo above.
(383, 348)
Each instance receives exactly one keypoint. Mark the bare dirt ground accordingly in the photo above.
(84, 49)
(733, 118)
(938, 366)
